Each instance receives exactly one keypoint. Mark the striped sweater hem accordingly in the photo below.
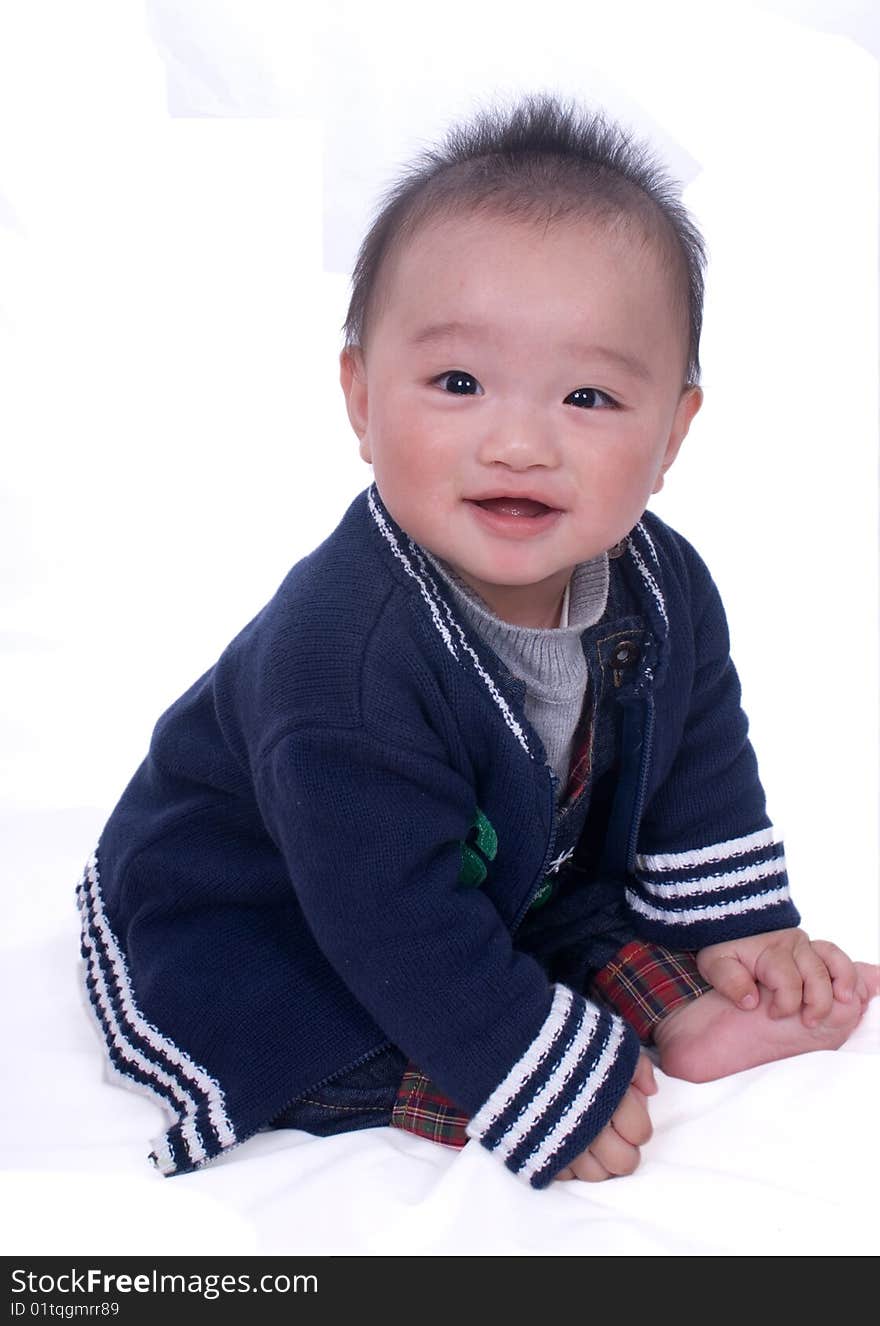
(139, 1053)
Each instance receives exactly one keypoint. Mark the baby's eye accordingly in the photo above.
(459, 383)
(587, 399)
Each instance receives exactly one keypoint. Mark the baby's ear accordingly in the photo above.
(353, 379)
(688, 405)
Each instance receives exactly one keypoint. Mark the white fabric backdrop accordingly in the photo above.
(182, 190)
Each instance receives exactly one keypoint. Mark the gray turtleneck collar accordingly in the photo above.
(549, 660)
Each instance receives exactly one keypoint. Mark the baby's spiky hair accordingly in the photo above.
(544, 159)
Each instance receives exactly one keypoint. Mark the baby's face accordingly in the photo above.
(520, 399)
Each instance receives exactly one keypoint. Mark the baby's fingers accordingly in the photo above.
(867, 980)
(817, 977)
(631, 1120)
(778, 970)
(612, 1154)
(841, 969)
(730, 977)
(643, 1077)
(587, 1168)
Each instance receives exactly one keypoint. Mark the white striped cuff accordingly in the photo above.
(685, 897)
(561, 1093)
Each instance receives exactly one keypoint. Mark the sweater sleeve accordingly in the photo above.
(709, 866)
(372, 835)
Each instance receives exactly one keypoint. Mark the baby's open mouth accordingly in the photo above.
(514, 506)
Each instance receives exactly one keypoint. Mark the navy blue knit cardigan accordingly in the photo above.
(280, 891)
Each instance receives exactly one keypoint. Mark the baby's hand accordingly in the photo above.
(802, 974)
(616, 1149)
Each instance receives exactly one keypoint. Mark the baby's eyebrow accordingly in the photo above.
(436, 331)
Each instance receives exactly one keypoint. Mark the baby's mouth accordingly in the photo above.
(514, 506)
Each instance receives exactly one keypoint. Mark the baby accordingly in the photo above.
(464, 828)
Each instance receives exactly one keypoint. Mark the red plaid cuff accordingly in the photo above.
(420, 1108)
(644, 982)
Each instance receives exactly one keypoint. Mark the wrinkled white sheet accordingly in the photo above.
(781, 1160)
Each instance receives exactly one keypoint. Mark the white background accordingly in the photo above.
(183, 187)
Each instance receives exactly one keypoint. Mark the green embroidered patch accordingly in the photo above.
(482, 842)
(472, 871)
(543, 893)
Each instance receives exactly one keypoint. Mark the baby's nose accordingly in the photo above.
(520, 439)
